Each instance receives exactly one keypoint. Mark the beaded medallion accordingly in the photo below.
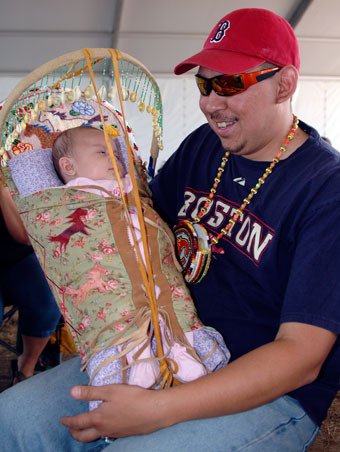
(193, 250)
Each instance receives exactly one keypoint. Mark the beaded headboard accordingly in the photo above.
(31, 164)
(79, 88)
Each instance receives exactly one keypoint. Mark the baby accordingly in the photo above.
(80, 157)
(82, 160)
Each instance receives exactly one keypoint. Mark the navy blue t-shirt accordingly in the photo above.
(282, 260)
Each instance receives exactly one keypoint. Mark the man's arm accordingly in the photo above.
(11, 216)
(294, 359)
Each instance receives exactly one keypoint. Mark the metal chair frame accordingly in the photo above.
(6, 317)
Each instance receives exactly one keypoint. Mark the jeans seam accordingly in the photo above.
(311, 440)
(269, 433)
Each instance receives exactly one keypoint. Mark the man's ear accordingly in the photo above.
(67, 166)
(288, 79)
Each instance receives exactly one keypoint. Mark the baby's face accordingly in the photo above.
(91, 156)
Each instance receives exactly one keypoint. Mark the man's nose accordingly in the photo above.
(214, 102)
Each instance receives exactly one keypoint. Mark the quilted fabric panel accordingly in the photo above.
(33, 171)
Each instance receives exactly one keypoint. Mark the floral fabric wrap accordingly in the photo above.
(86, 255)
(83, 242)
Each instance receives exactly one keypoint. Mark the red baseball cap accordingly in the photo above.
(244, 39)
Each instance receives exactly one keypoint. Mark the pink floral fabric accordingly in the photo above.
(73, 239)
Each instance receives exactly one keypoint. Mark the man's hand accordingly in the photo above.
(126, 410)
(294, 359)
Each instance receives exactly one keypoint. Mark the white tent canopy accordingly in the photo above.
(160, 33)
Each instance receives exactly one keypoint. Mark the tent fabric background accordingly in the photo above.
(316, 102)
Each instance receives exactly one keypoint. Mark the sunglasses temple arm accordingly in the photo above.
(261, 77)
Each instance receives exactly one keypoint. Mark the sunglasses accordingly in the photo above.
(229, 85)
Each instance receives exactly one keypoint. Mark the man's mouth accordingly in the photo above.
(224, 124)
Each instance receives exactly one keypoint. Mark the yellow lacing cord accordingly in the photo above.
(165, 365)
(71, 74)
(140, 337)
(146, 270)
(87, 53)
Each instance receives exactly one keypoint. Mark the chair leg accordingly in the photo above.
(7, 316)
(8, 347)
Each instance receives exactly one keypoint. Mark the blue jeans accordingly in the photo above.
(30, 413)
(24, 285)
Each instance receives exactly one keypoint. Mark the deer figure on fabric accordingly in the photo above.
(94, 282)
(77, 226)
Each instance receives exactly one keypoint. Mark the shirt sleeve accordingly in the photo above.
(313, 291)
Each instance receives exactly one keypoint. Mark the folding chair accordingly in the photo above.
(6, 317)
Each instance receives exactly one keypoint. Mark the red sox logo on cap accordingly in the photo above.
(221, 31)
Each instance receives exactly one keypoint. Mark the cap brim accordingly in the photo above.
(222, 61)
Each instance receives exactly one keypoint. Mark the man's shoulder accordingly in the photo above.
(316, 155)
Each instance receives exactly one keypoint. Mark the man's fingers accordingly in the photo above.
(80, 422)
(85, 436)
(88, 393)
(84, 427)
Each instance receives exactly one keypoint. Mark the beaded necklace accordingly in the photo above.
(193, 242)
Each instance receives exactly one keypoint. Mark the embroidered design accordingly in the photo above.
(46, 137)
(77, 225)
(221, 31)
(94, 282)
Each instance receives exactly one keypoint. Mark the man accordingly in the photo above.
(257, 198)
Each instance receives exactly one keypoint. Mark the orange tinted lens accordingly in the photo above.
(204, 85)
(223, 85)
(227, 85)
